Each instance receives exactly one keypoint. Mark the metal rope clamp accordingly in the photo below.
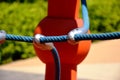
(43, 46)
(72, 33)
(2, 36)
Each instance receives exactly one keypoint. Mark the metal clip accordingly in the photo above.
(43, 46)
(2, 36)
(71, 34)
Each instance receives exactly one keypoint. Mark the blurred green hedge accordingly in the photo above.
(22, 18)
(104, 15)
(21, 1)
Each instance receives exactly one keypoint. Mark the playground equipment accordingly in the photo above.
(61, 19)
(63, 16)
(64, 38)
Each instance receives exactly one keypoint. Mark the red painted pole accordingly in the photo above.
(63, 8)
(63, 16)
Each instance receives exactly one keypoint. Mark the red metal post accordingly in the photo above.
(63, 16)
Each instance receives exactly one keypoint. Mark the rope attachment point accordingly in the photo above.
(72, 34)
(2, 36)
(42, 46)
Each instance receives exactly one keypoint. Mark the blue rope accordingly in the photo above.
(63, 38)
(19, 38)
(102, 36)
(57, 63)
(85, 16)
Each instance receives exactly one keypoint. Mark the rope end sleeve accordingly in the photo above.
(42, 46)
(2, 36)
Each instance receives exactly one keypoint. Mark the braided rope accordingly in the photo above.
(57, 63)
(63, 38)
(19, 38)
(102, 36)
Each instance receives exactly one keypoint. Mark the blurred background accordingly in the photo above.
(20, 17)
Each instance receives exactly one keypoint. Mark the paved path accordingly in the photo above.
(102, 63)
